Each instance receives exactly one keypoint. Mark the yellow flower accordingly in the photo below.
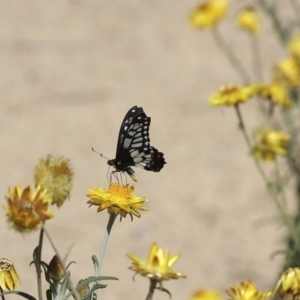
(54, 174)
(288, 71)
(158, 265)
(289, 282)
(276, 93)
(248, 19)
(206, 295)
(247, 291)
(208, 14)
(231, 95)
(294, 46)
(269, 143)
(27, 209)
(9, 278)
(117, 200)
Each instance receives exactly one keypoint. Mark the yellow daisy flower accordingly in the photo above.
(276, 93)
(54, 174)
(289, 282)
(288, 71)
(206, 295)
(294, 46)
(117, 200)
(27, 209)
(158, 265)
(247, 291)
(9, 279)
(231, 95)
(269, 143)
(248, 19)
(209, 13)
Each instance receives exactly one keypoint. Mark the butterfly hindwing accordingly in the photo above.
(133, 148)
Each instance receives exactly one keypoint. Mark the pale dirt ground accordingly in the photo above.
(70, 70)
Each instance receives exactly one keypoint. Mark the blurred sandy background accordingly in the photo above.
(70, 70)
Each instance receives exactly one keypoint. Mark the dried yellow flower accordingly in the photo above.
(27, 209)
(9, 278)
(54, 174)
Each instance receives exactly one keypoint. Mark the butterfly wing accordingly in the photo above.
(133, 147)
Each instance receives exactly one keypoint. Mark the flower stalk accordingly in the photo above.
(38, 264)
(269, 185)
(111, 220)
(230, 55)
(152, 287)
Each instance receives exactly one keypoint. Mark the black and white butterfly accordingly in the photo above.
(133, 148)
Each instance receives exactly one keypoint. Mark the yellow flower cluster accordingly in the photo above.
(27, 209)
(288, 72)
(269, 143)
(276, 93)
(208, 14)
(232, 95)
(248, 19)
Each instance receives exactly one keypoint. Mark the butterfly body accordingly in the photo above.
(133, 148)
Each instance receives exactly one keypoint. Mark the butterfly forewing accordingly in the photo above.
(133, 147)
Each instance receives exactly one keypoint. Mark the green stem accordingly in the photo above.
(271, 11)
(110, 223)
(270, 188)
(230, 56)
(38, 264)
(71, 286)
(1, 292)
(257, 63)
(153, 283)
(280, 184)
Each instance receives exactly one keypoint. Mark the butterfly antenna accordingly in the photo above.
(100, 154)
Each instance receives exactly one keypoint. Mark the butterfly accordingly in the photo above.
(133, 148)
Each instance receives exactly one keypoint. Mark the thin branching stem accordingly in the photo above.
(75, 293)
(280, 184)
(110, 223)
(269, 185)
(235, 62)
(271, 11)
(257, 63)
(1, 292)
(153, 283)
